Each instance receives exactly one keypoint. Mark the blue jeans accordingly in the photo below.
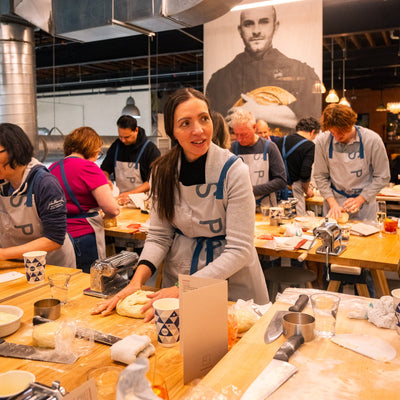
(85, 251)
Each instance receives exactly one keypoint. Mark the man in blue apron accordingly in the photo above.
(267, 171)
(351, 165)
(32, 203)
(129, 159)
(298, 156)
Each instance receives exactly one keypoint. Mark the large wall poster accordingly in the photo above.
(268, 60)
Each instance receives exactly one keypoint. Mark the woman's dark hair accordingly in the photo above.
(221, 136)
(17, 144)
(164, 172)
(83, 140)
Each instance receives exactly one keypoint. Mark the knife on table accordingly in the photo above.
(275, 327)
(15, 350)
(276, 373)
(100, 337)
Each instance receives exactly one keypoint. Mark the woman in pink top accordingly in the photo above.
(86, 189)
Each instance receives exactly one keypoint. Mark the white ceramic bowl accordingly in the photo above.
(10, 327)
(14, 382)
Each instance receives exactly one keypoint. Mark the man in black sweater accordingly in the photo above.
(298, 155)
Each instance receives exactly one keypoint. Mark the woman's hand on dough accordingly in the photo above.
(172, 291)
(105, 307)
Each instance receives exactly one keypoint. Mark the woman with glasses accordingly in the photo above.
(86, 189)
(32, 203)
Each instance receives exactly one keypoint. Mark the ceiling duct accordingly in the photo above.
(94, 20)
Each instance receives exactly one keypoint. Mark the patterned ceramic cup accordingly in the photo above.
(396, 306)
(35, 264)
(166, 312)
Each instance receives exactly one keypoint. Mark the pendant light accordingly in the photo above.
(381, 106)
(343, 101)
(130, 107)
(332, 95)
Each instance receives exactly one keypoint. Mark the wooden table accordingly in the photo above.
(371, 252)
(168, 361)
(374, 253)
(126, 217)
(13, 288)
(325, 370)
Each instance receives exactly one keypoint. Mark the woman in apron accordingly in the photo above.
(202, 217)
(87, 190)
(32, 203)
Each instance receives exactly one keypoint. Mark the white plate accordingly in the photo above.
(14, 382)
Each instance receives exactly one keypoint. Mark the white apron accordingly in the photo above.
(92, 216)
(259, 172)
(200, 216)
(350, 173)
(20, 223)
(127, 174)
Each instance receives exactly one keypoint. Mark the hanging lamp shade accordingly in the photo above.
(344, 102)
(332, 97)
(381, 107)
(394, 107)
(130, 108)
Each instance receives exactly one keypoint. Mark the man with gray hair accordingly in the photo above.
(261, 79)
(267, 171)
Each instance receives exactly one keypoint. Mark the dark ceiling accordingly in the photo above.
(368, 29)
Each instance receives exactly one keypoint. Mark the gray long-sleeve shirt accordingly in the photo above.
(374, 154)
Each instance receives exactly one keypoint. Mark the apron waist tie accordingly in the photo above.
(199, 246)
(343, 193)
(83, 215)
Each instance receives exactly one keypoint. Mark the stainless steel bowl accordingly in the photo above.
(296, 323)
(48, 308)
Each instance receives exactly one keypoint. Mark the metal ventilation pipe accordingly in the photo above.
(18, 77)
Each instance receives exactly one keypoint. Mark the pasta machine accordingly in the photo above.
(109, 275)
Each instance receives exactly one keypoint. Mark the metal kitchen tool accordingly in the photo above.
(14, 350)
(110, 275)
(298, 323)
(289, 208)
(100, 337)
(39, 391)
(277, 372)
(330, 233)
(275, 327)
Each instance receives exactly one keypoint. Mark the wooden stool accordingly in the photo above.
(346, 273)
(292, 276)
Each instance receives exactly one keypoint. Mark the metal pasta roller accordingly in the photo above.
(40, 391)
(110, 275)
(329, 233)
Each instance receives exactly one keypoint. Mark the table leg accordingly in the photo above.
(381, 285)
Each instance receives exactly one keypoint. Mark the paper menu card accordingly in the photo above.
(138, 199)
(362, 229)
(203, 324)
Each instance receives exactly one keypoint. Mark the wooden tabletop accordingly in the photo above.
(372, 252)
(127, 217)
(325, 370)
(13, 288)
(167, 361)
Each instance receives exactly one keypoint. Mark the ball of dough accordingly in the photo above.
(132, 304)
(245, 319)
(110, 222)
(43, 335)
(344, 217)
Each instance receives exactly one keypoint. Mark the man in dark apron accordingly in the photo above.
(298, 155)
(129, 158)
